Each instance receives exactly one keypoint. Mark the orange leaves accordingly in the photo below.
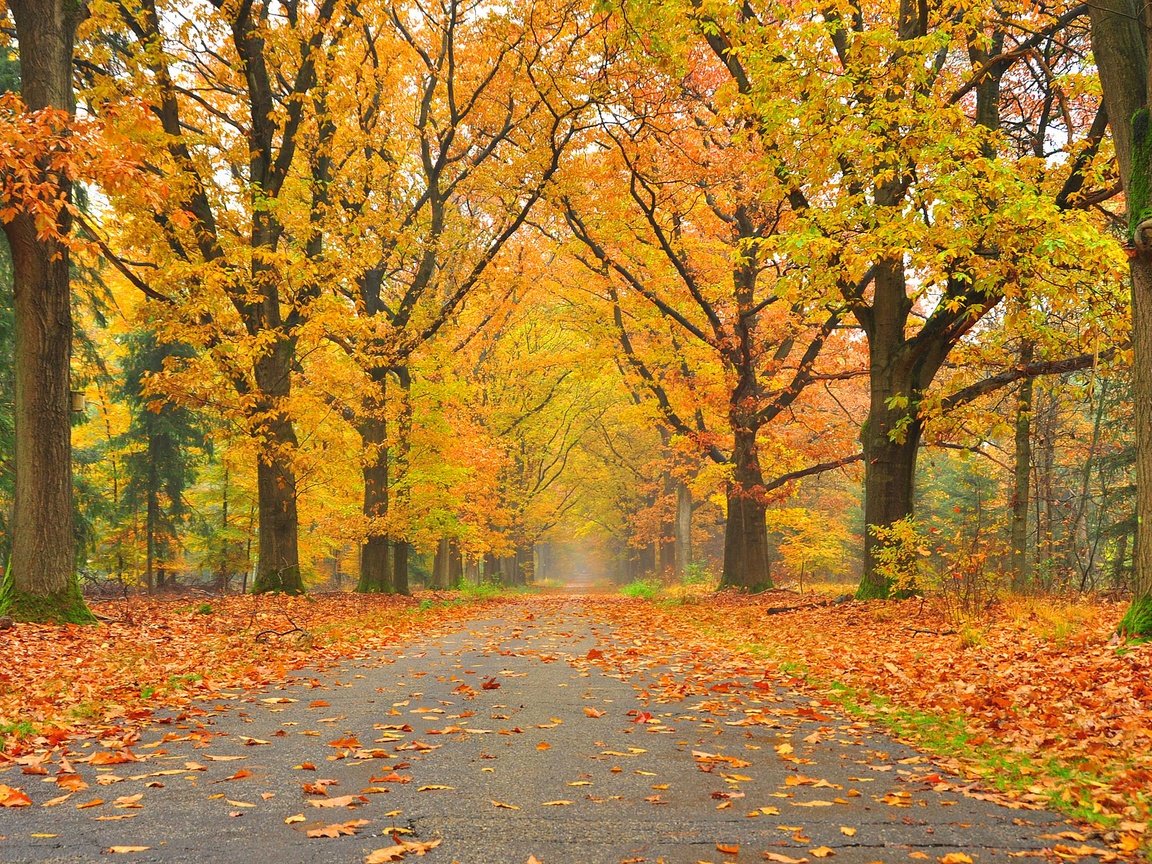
(338, 829)
(156, 635)
(400, 851)
(593, 712)
(104, 757)
(342, 801)
(12, 797)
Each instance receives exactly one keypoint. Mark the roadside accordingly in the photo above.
(1036, 699)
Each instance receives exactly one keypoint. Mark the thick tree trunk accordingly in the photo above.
(746, 564)
(889, 481)
(375, 554)
(42, 585)
(900, 369)
(1138, 621)
(1120, 49)
(683, 529)
(1021, 574)
(278, 568)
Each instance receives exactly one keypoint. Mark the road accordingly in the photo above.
(538, 734)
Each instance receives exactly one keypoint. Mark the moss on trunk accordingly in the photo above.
(63, 607)
(1137, 623)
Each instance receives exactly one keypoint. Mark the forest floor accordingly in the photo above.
(574, 729)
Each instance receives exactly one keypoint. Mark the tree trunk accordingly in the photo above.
(745, 533)
(900, 369)
(889, 482)
(278, 568)
(400, 567)
(683, 529)
(1120, 50)
(1138, 620)
(151, 519)
(455, 566)
(42, 584)
(403, 446)
(440, 565)
(375, 557)
(1021, 575)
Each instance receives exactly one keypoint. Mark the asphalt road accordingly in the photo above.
(530, 736)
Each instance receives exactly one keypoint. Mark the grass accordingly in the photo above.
(641, 589)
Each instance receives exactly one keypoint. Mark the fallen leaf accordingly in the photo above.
(122, 850)
(397, 852)
(10, 796)
(594, 712)
(337, 829)
(342, 801)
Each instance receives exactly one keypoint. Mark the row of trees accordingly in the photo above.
(798, 237)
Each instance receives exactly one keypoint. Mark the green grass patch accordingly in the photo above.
(17, 729)
(643, 589)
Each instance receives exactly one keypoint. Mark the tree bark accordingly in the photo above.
(375, 557)
(1120, 49)
(683, 529)
(746, 564)
(455, 566)
(403, 446)
(400, 567)
(1138, 620)
(42, 584)
(278, 568)
(440, 565)
(1022, 474)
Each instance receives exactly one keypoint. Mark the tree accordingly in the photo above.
(691, 232)
(1119, 44)
(41, 584)
(426, 194)
(910, 186)
(159, 464)
(221, 246)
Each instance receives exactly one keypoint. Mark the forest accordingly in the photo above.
(370, 295)
(505, 420)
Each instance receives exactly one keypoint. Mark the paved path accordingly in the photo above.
(488, 742)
